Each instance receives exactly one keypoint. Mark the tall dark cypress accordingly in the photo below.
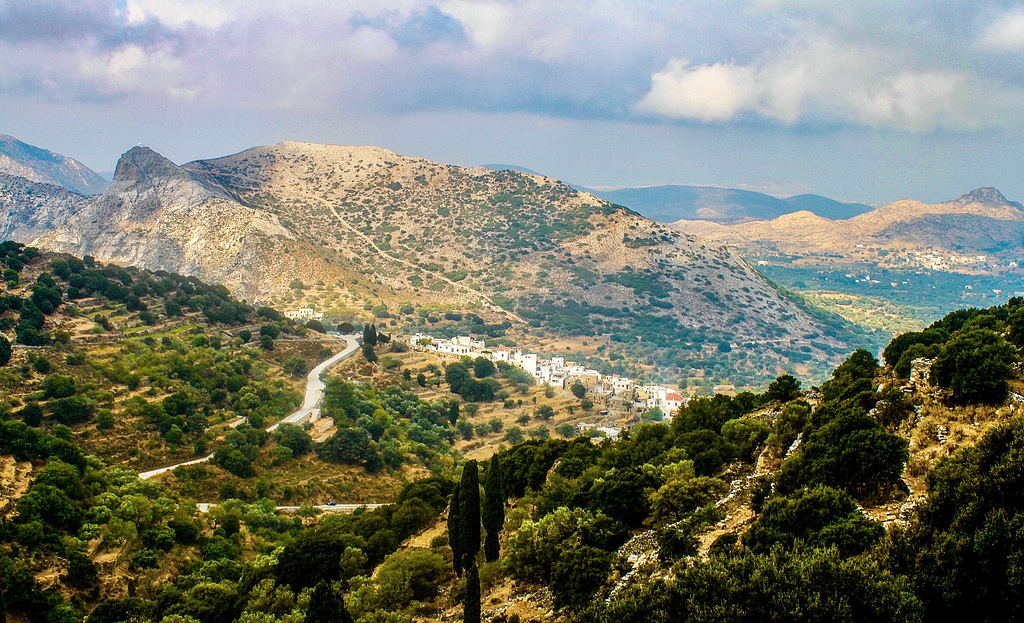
(469, 515)
(370, 334)
(471, 610)
(455, 531)
(493, 512)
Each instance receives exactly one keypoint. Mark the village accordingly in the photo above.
(622, 399)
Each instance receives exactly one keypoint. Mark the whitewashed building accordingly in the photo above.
(304, 313)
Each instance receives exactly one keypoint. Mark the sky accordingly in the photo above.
(865, 100)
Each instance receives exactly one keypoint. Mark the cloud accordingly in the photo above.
(821, 81)
(178, 13)
(417, 29)
(487, 22)
(913, 65)
(707, 93)
(1005, 33)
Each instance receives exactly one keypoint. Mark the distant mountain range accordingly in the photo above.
(41, 165)
(382, 228)
(668, 204)
(980, 222)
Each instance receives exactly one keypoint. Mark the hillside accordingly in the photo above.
(44, 166)
(376, 230)
(887, 493)
(980, 222)
(668, 204)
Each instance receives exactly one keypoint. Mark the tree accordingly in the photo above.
(783, 389)
(455, 531)
(326, 606)
(368, 353)
(820, 517)
(5, 351)
(852, 452)
(469, 513)
(245, 335)
(457, 376)
(964, 550)
(493, 512)
(296, 366)
(578, 389)
(370, 334)
(58, 386)
(453, 413)
(483, 368)
(72, 410)
(975, 365)
(266, 342)
(471, 610)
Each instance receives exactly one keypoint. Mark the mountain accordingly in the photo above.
(825, 207)
(519, 250)
(30, 209)
(980, 222)
(158, 215)
(41, 165)
(510, 167)
(667, 204)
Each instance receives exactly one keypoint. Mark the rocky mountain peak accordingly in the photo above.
(986, 196)
(142, 163)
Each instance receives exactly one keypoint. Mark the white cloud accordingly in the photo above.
(487, 22)
(707, 93)
(824, 80)
(177, 13)
(1006, 33)
(133, 70)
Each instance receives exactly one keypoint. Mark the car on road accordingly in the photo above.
(332, 503)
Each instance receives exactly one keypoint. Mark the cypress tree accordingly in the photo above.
(469, 513)
(471, 610)
(453, 413)
(493, 511)
(455, 531)
(370, 334)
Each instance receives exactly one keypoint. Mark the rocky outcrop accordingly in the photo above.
(155, 215)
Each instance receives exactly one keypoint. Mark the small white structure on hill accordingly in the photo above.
(304, 313)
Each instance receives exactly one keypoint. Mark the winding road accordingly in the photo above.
(314, 394)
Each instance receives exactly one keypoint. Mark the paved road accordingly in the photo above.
(314, 393)
(315, 386)
(205, 507)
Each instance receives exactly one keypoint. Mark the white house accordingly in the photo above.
(305, 313)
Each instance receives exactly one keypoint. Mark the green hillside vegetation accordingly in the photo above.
(428, 240)
(749, 507)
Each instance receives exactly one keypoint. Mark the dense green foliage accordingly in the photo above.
(383, 428)
(965, 549)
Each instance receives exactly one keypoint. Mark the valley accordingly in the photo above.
(541, 406)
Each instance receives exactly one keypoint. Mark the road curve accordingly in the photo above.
(315, 386)
(314, 393)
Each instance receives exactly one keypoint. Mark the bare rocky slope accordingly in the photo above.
(42, 165)
(386, 228)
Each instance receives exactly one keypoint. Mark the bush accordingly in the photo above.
(820, 517)
(296, 366)
(975, 365)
